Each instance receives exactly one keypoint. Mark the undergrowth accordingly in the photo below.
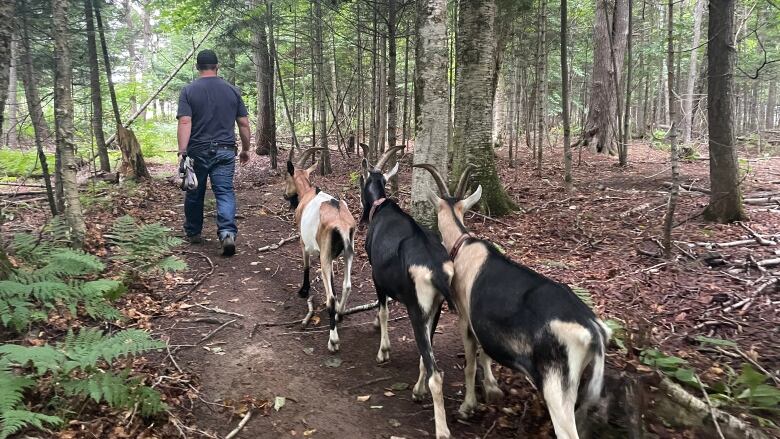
(49, 279)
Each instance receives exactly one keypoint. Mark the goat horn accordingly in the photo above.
(386, 156)
(306, 154)
(443, 191)
(464, 180)
(291, 156)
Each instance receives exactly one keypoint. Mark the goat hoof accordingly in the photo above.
(333, 347)
(493, 394)
(466, 410)
(418, 396)
(383, 356)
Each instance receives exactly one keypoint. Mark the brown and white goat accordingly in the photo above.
(328, 228)
(521, 319)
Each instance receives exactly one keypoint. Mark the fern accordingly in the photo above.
(13, 415)
(145, 249)
(85, 349)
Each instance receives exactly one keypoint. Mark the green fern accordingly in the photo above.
(145, 249)
(85, 349)
(13, 415)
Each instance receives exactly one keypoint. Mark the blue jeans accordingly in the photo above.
(218, 164)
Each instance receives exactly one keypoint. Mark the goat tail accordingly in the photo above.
(441, 280)
(341, 241)
(593, 393)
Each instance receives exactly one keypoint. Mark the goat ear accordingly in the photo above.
(310, 170)
(365, 167)
(290, 167)
(472, 199)
(392, 172)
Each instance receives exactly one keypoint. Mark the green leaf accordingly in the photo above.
(715, 341)
(762, 395)
(750, 377)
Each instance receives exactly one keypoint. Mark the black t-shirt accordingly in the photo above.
(214, 106)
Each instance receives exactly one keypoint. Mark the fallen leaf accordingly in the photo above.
(389, 393)
(333, 362)
(376, 407)
(363, 398)
(394, 422)
(399, 386)
(308, 351)
(308, 433)
(279, 402)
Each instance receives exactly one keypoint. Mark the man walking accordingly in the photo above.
(209, 108)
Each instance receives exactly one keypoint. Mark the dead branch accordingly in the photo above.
(218, 310)
(321, 329)
(173, 360)
(709, 404)
(759, 239)
(734, 426)
(278, 244)
(744, 302)
(361, 308)
(490, 218)
(369, 382)
(212, 333)
(201, 280)
(769, 262)
(689, 187)
(241, 425)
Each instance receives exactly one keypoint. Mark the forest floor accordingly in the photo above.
(599, 239)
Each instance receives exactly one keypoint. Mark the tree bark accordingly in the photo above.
(95, 92)
(726, 196)
(6, 36)
(392, 64)
(626, 130)
(107, 65)
(130, 28)
(40, 129)
(476, 51)
(610, 29)
(320, 85)
(771, 104)
(63, 121)
(264, 78)
(431, 103)
(673, 193)
(13, 101)
(567, 180)
(271, 89)
(687, 113)
(541, 85)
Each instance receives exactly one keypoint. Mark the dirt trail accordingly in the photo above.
(283, 361)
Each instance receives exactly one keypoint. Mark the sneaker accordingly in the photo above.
(195, 239)
(228, 245)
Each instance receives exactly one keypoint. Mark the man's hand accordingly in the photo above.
(244, 157)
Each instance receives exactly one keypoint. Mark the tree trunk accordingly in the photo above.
(567, 180)
(132, 77)
(541, 85)
(271, 89)
(669, 217)
(107, 64)
(264, 77)
(13, 101)
(392, 110)
(40, 129)
(725, 197)
(476, 46)
(145, 60)
(320, 85)
(771, 104)
(405, 113)
(6, 36)
(626, 130)
(610, 29)
(63, 121)
(687, 113)
(95, 92)
(431, 103)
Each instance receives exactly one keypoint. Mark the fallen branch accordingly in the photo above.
(211, 334)
(709, 404)
(734, 426)
(769, 262)
(490, 218)
(758, 366)
(361, 308)
(321, 329)
(369, 382)
(201, 280)
(277, 245)
(744, 302)
(759, 239)
(173, 360)
(690, 187)
(218, 310)
(241, 425)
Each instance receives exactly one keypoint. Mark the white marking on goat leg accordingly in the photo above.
(346, 287)
(384, 343)
(493, 393)
(421, 387)
(330, 300)
(560, 406)
(439, 415)
(470, 347)
(426, 294)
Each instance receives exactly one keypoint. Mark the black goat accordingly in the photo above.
(409, 264)
(520, 318)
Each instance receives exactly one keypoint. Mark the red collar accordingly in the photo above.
(374, 206)
(458, 244)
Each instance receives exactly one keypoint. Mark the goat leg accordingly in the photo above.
(304, 291)
(384, 344)
(330, 300)
(470, 371)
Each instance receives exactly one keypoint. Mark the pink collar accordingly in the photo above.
(374, 206)
(458, 244)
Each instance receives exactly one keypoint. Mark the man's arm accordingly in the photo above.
(243, 132)
(183, 132)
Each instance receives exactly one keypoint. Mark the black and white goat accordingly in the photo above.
(520, 318)
(327, 227)
(410, 265)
